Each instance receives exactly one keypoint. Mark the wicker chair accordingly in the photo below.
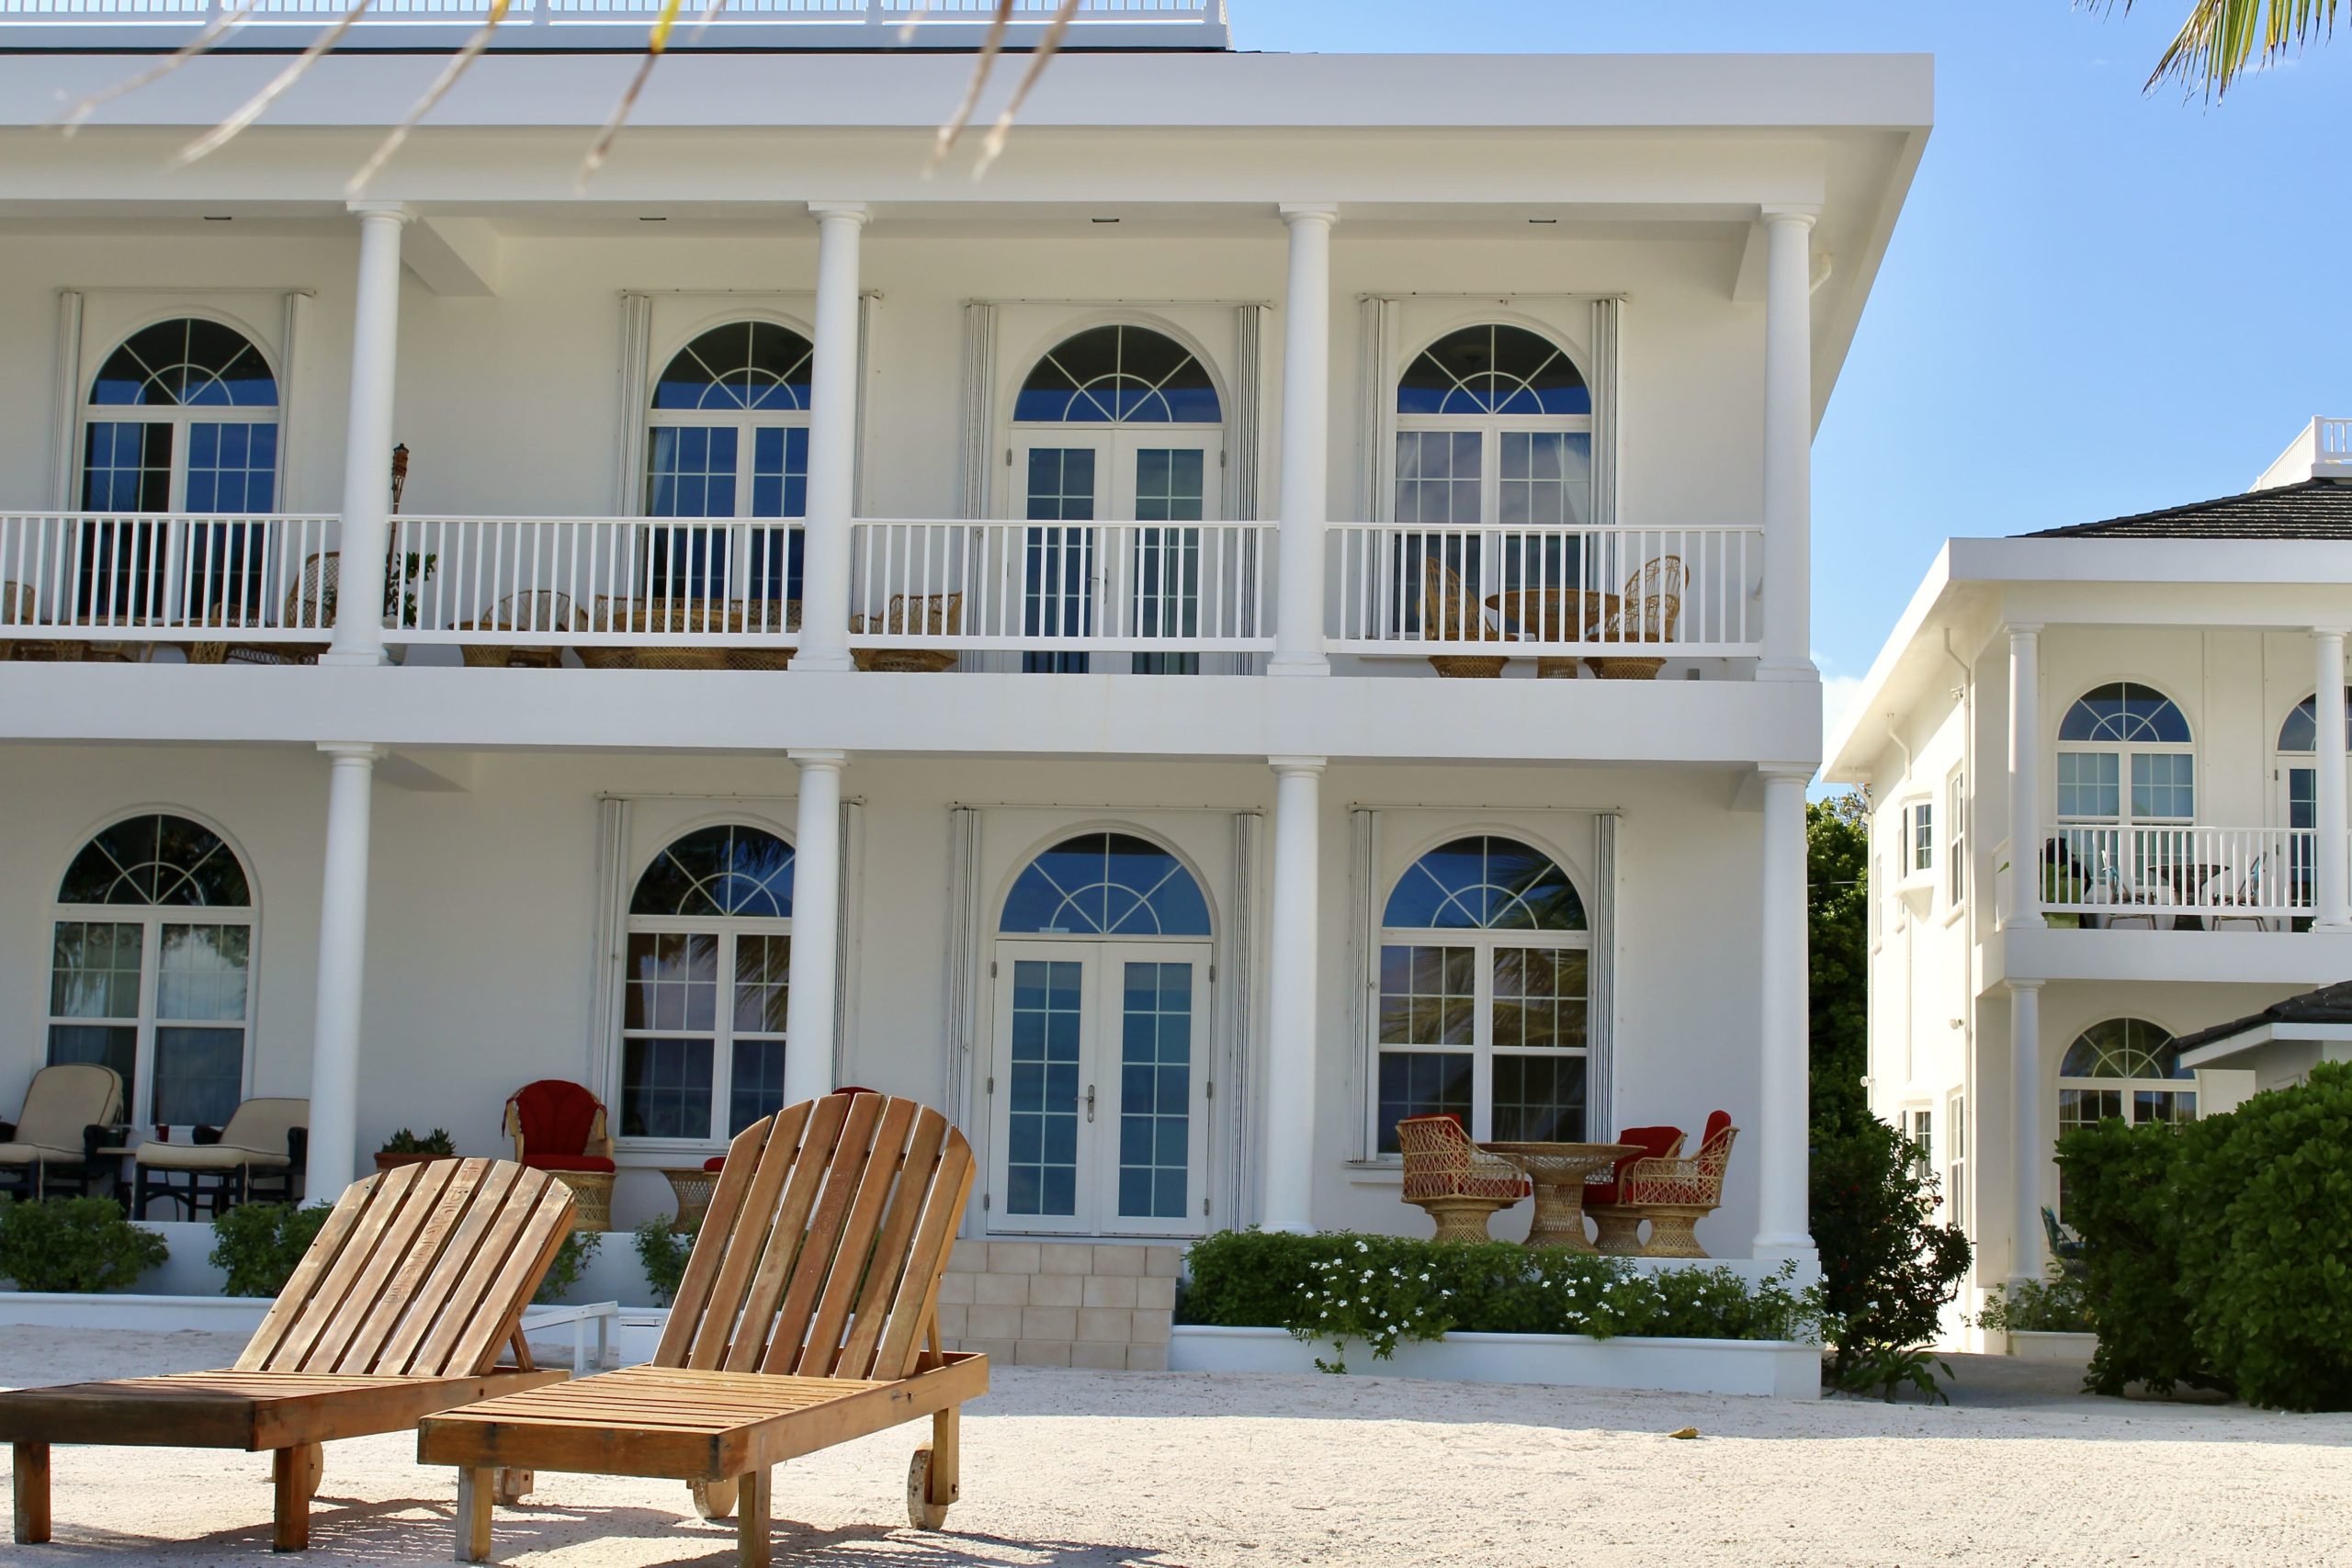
(943, 615)
(558, 1127)
(1646, 612)
(1674, 1194)
(763, 615)
(17, 608)
(1619, 1229)
(1455, 1181)
(1448, 613)
(309, 605)
(538, 610)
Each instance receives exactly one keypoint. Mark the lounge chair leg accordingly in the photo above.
(752, 1504)
(293, 1476)
(474, 1487)
(946, 1445)
(32, 1494)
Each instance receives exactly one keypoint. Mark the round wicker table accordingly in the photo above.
(1557, 1172)
(694, 1186)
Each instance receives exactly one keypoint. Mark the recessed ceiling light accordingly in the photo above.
(642, 218)
(1104, 221)
(1543, 220)
(216, 218)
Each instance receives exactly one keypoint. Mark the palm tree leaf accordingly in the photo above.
(71, 122)
(2222, 39)
(990, 46)
(433, 95)
(220, 135)
(1047, 46)
(658, 40)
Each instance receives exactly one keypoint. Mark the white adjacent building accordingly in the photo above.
(985, 625)
(2150, 710)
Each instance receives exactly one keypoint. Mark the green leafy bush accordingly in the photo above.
(2126, 1197)
(571, 1262)
(257, 1244)
(80, 1245)
(1887, 1270)
(2058, 1304)
(661, 1253)
(1338, 1286)
(436, 1142)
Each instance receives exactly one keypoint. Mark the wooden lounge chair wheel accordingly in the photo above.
(922, 1512)
(715, 1499)
(511, 1486)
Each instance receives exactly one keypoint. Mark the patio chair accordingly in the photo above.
(808, 1315)
(401, 1307)
(1458, 1184)
(718, 1163)
(1450, 613)
(70, 1113)
(1674, 1194)
(1646, 612)
(2234, 906)
(253, 1157)
(538, 610)
(558, 1127)
(660, 616)
(761, 615)
(941, 615)
(18, 608)
(1618, 1230)
(309, 605)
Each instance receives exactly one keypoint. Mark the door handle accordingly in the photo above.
(1089, 1102)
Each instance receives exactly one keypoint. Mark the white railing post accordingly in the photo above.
(1306, 458)
(2025, 773)
(367, 444)
(2332, 861)
(832, 440)
(1787, 444)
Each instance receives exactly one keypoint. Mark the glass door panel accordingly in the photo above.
(1045, 1039)
(1157, 1076)
(1170, 486)
(1057, 568)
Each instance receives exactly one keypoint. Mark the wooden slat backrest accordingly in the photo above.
(421, 1272)
(821, 1250)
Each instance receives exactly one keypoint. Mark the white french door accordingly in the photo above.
(1099, 1089)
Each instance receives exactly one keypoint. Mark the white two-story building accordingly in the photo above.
(2107, 767)
(973, 636)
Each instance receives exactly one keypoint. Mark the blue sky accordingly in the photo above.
(2097, 302)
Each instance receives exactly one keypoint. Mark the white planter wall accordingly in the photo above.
(1772, 1369)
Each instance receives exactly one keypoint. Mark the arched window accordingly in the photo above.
(2300, 732)
(2125, 760)
(708, 972)
(150, 967)
(2123, 1067)
(1485, 977)
(183, 418)
(729, 438)
(1106, 885)
(1115, 425)
(2298, 778)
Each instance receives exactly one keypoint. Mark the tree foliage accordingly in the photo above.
(1838, 913)
(2218, 40)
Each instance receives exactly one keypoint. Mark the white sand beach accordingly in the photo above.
(1077, 1469)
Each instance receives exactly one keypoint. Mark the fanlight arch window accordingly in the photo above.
(706, 986)
(1484, 983)
(2300, 732)
(1113, 884)
(2125, 1068)
(152, 966)
(1118, 374)
(727, 436)
(1493, 369)
(2125, 760)
(2299, 775)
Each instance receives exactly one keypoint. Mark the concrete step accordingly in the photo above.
(1105, 1306)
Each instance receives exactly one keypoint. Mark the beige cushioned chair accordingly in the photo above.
(62, 1102)
(255, 1150)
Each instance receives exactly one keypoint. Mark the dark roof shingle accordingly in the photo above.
(2316, 509)
(2329, 1004)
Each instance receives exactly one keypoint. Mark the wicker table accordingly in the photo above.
(1557, 1172)
(694, 1186)
(1540, 614)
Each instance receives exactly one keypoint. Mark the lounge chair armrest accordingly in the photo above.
(297, 1146)
(95, 1136)
(7, 1131)
(208, 1134)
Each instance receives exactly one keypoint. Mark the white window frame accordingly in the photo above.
(1955, 848)
(745, 422)
(2127, 1090)
(2123, 819)
(1956, 1207)
(180, 417)
(1916, 837)
(1490, 427)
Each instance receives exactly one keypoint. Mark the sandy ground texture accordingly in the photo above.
(1088, 1470)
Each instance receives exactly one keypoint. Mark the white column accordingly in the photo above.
(1784, 1227)
(832, 441)
(367, 439)
(2025, 775)
(2334, 842)
(815, 928)
(343, 954)
(1306, 444)
(1788, 444)
(1288, 1127)
(2030, 1145)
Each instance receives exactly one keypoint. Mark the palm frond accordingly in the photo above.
(433, 95)
(999, 133)
(71, 122)
(990, 46)
(2222, 39)
(220, 135)
(654, 44)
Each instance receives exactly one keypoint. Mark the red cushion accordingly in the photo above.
(1718, 1123)
(569, 1162)
(718, 1162)
(1655, 1142)
(715, 1164)
(556, 1117)
(855, 1088)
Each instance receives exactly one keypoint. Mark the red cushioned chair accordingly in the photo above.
(1620, 1228)
(1674, 1195)
(715, 1161)
(558, 1127)
(1458, 1183)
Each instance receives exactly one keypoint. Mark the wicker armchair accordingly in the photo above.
(558, 1127)
(1646, 612)
(1674, 1194)
(941, 615)
(690, 615)
(1455, 1181)
(309, 605)
(538, 610)
(17, 608)
(1618, 1228)
(1450, 614)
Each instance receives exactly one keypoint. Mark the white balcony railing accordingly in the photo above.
(101, 577)
(1063, 587)
(2155, 874)
(1410, 588)
(599, 581)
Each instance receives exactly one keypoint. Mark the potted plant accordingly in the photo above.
(2063, 883)
(405, 1147)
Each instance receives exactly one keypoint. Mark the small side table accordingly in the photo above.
(1558, 1172)
(694, 1186)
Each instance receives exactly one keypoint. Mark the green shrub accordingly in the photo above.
(436, 1142)
(663, 1253)
(2058, 1304)
(257, 1244)
(1887, 1272)
(1338, 1286)
(571, 1262)
(2126, 1197)
(80, 1245)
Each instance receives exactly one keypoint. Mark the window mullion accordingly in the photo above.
(141, 1089)
(722, 1045)
(1482, 1041)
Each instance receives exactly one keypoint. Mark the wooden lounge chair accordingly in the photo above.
(400, 1308)
(1453, 1180)
(808, 1315)
(68, 1113)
